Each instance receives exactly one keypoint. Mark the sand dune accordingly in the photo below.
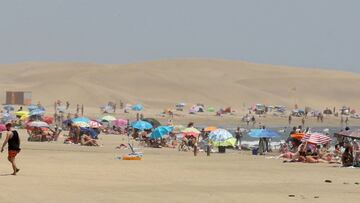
(161, 84)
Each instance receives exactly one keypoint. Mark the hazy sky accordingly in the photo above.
(312, 33)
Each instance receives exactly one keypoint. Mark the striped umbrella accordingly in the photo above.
(316, 138)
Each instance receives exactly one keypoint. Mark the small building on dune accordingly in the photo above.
(18, 97)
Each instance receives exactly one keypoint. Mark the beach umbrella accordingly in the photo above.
(48, 119)
(178, 128)
(120, 122)
(94, 124)
(108, 118)
(354, 134)
(7, 117)
(210, 128)
(222, 137)
(80, 120)
(39, 124)
(298, 136)
(21, 113)
(155, 123)
(2, 127)
(137, 107)
(190, 132)
(141, 125)
(82, 124)
(316, 138)
(32, 107)
(37, 112)
(161, 132)
(88, 131)
(263, 133)
(8, 108)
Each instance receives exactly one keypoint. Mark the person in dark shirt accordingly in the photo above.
(13, 141)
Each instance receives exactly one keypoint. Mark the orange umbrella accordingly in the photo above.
(210, 128)
(298, 136)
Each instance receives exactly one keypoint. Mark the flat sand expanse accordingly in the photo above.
(55, 172)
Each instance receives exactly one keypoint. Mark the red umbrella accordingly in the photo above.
(48, 119)
(316, 138)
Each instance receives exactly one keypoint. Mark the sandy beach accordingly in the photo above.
(54, 172)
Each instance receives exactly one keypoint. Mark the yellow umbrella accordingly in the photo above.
(210, 128)
(24, 117)
(21, 113)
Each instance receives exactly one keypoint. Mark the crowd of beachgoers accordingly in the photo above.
(301, 145)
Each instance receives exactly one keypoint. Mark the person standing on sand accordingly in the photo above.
(238, 136)
(13, 141)
(290, 119)
(303, 121)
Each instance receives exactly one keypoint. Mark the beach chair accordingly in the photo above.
(133, 152)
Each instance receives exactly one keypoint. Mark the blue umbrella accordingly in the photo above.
(263, 133)
(80, 120)
(8, 108)
(7, 117)
(137, 107)
(160, 132)
(32, 107)
(37, 112)
(88, 131)
(141, 125)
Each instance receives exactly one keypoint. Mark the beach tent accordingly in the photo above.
(210, 109)
(155, 123)
(222, 138)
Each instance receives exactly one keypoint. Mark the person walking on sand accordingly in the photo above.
(13, 141)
